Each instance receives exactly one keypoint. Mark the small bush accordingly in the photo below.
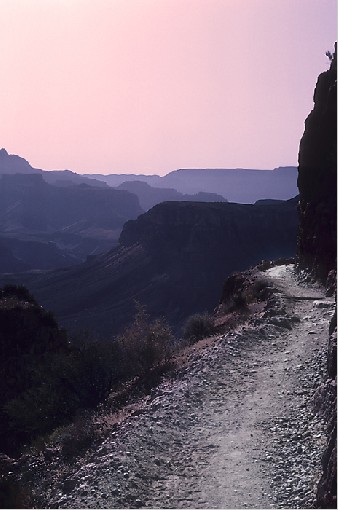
(198, 326)
(18, 292)
(239, 301)
(94, 371)
(78, 437)
(144, 345)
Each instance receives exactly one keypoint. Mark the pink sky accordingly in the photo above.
(149, 86)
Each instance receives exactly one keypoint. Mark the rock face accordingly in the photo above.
(172, 259)
(317, 181)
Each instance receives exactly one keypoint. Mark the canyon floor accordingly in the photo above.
(235, 427)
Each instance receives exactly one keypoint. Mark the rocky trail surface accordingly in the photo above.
(235, 428)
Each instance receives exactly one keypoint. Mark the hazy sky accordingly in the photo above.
(149, 86)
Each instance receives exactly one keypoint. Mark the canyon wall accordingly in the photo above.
(317, 241)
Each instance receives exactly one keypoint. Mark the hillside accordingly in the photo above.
(234, 424)
(44, 226)
(173, 259)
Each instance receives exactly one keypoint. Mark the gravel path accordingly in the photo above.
(235, 429)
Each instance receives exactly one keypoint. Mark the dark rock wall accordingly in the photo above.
(317, 241)
(317, 180)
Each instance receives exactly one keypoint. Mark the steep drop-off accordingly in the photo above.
(173, 259)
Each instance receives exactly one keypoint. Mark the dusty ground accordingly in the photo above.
(235, 428)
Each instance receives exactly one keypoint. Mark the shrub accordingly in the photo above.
(95, 368)
(78, 437)
(18, 292)
(198, 326)
(239, 301)
(144, 345)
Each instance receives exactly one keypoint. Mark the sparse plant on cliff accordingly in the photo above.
(329, 55)
(198, 326)
(144, 344)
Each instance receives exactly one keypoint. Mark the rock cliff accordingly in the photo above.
(317, 240)
(317, 179)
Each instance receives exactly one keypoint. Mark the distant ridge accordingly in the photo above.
(241, 185)
(13, 164)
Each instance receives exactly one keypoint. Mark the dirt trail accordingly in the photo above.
(235, 429)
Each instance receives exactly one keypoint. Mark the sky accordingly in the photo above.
(149, 86)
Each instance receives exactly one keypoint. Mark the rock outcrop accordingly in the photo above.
(317, 241)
